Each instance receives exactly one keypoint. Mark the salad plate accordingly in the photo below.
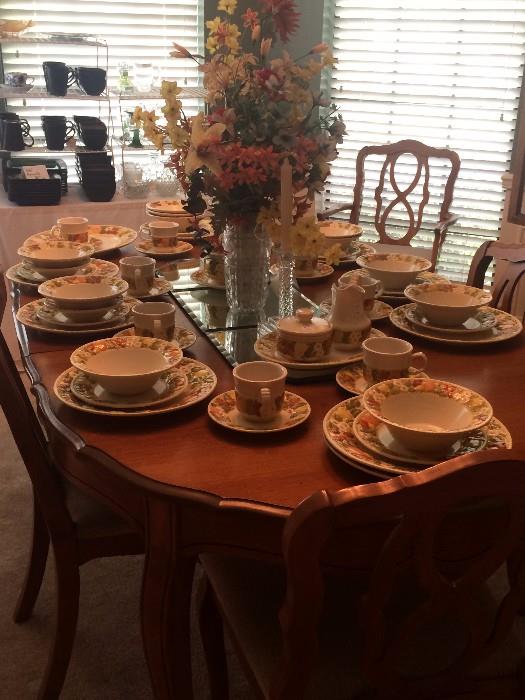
(147, 248)
(339, 433)
(201, 383)
(506, 327)
(160, 286)
(223, 411)
(204, 280)
(169, 385)
(266, 348)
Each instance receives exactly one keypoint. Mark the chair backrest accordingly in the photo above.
(446, 530)
(508, 277)
(393, 152)
(30, 438)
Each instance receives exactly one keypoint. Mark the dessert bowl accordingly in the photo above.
(83, 291)
(394, 270)
(446, 303)
(427, 415)
(128, 364)
(56, 253)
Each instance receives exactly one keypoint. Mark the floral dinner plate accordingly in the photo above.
(223, 411)
(103, 237)
(29, 317)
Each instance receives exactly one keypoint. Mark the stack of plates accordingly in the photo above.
(172, 210)
(25, 274)
(366, 443)
(486, 325)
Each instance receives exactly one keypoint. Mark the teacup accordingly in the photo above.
(163, 234)
(259, 390)
(372, 287)
(389, 358)
(154, 319)
(213, 266)
(72, 228)
(139, 273)
(305, 265)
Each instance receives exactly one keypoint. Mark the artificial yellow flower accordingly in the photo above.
(201, 139)
(266, 45)
(169, 89)
(228, 6)
(222, 34)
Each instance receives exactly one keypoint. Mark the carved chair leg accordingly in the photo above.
(35, 569)
(212, 635)
(68, 590)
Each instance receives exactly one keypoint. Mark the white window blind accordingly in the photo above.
(446, 73)
(135, 31)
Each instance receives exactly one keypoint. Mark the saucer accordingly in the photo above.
(339, 434)
(379, 311)
(376, 437)
(28, 317)
(167, 387)
(223, 411)
(266, 348)
(507, 326)
(351, 378)
(183, 336)
(483, 320)
(147, 248)
(203, 280)
(201, 383)
(359, 249)
(160, 286)
(321, 271)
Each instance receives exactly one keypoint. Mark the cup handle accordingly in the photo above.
(419, 358)
(379, 289)
(31, 140)
(55, 231)
(72, 77)
(145, 232)
(70, 129)
(266, 403)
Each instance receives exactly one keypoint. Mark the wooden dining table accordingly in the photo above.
(190, 485)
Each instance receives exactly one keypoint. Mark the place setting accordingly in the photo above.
(259, 403)
(454, 313)
(156, 319)
(133, 376)
(104, 238)
(26, 274)
(79, 305)
(211, 271)
(161, 239)
(405, 424)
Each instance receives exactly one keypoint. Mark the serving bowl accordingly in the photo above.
(427, 415)
(83, 291)
(446, 303)
(126, 365)
(394, 270)
(56, 253)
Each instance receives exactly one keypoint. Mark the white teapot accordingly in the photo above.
(350, 322)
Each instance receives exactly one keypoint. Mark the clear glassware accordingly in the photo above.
(143, 77)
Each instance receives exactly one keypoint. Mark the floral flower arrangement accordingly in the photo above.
(261, 110)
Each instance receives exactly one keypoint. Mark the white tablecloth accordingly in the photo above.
(17, 223)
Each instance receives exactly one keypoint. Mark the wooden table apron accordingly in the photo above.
(190, 485)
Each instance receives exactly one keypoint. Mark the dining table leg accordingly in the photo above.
(165, 604)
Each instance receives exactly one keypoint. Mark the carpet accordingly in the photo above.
(107, 661)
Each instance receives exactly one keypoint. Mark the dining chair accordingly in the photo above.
(79, 527)
(511, 268)
(415, 616)
(412, 195)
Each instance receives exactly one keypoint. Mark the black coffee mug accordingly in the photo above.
(58, 77)
(94, 137)
(91, 80)
(12, 135)
(57, 131)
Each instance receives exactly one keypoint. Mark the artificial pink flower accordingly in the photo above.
(285, 16)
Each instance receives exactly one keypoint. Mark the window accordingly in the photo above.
(445, 73)
(129, 31)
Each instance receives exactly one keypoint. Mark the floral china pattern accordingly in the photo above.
(365, 429)
(480, 296)
(183, 336)
(507, 326)
(33, 246)
(338, 431)
(484, 317)
(341, 228)
(166, 205)
(421, 263)
(479, 407)
(201, 383)
(96, 233)
(223, 410)
(352, 378)
(28, 315)
(50, 286)
(170, 350)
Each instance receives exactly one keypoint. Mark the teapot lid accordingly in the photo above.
(304, 323)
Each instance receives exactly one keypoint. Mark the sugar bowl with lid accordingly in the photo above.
(303, 337)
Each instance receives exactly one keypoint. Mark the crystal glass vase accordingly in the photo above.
(247, 247)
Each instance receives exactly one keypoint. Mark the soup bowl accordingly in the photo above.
(427, 415)
(126, 365)
(57, 253)
(446, 303)
(394, 270)
(83, 291)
